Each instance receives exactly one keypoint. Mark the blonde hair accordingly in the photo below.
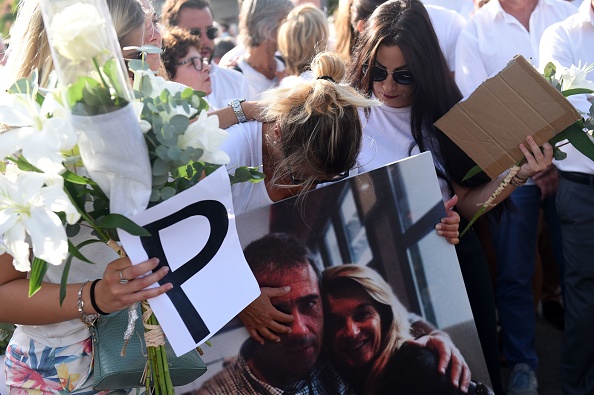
(301, 35)
(318, 120)
(393, 315)
(29, 48)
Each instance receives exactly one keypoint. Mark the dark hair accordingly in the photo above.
(413, 370)
(348, 14)
(405, 23)
(176, 44)
(277, 252)
(172, 9)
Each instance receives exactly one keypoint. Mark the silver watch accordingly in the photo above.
(236, 106)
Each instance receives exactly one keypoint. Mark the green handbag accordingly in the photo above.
(113, 371)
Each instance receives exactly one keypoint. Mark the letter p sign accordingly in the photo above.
(211, 283)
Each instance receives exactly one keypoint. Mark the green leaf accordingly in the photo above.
(563, 135)
(76, 179)
(160, 167)
(580, 140)
(38, 270)
(112, 70)
(113, 221)
(180, 123)
(472, 172)
(549, 70)
(167, 192)
(22, 86)
(558, 154)
(576, 91)
(74, 252)
(74, 94)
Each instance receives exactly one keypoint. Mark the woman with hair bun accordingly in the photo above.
(309, 134)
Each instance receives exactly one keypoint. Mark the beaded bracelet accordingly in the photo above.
(87, 319)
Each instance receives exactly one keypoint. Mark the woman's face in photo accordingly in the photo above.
(391, 66)
(189, 75)
(353, 328)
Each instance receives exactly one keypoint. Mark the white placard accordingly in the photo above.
(194, 234)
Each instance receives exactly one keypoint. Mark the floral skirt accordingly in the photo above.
(34, 368)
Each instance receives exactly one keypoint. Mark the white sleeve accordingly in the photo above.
(470, 69)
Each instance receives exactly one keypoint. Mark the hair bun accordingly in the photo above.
(328, 64)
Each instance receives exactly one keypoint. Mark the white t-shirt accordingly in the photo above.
(567, 43)
(244, 147)
(492, 37)
(387, 138)
(447, 25)
(227, 85)
(462, 7)
(257, 82)
(70, 332)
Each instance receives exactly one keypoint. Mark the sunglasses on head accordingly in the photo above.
(211, 32)
(379, 74)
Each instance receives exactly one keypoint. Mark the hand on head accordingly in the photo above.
(262, 319)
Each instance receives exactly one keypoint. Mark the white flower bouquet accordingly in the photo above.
(91, 150)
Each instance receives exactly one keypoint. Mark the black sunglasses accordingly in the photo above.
(379, 74)
(338, 177)
(211, 32)
(197, 61)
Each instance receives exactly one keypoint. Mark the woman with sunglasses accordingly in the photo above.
(398, 61)
(183, 62)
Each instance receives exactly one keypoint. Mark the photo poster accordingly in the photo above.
(383, 219)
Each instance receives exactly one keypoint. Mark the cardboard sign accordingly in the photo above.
(194, 234)
(517, 102)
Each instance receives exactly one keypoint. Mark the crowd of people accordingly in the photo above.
(314, 99)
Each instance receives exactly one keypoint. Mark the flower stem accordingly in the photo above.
(100, 73)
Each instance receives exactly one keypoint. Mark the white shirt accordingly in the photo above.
(492, 37)
(447, 25)
(227, 85)
(257, 82)
(569, 43)
(244, 147)
(387, 139)
(462, 7)
(69, 332)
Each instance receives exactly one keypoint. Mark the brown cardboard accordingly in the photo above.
(491, 123)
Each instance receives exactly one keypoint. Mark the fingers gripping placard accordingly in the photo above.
(194, 234)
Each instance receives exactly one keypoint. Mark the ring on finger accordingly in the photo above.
(122, 279)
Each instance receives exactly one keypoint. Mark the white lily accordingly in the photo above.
(40, 138)
(28, 206)
(204, 133)
(575, 77)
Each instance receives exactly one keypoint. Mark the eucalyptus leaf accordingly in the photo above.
(160, 167)
(550, 70)
(180, 123)
(22, 86)
(558, 154)
(167, 192)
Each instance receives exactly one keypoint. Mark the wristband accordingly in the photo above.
(87, 319)
(93, 302)
(517, 181)
(236, 106)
